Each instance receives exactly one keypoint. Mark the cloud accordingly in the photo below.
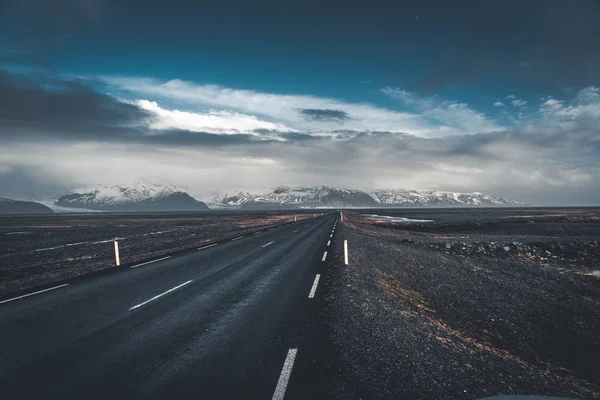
(546, 165)
(215, 121)
(499, 104)
(284, 108)
(80, 136)
(584, 107)
(515, 101)
(40, 106)
(325, 115)
(37, 102)
(453, 116)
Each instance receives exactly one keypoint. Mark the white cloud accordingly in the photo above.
(585, 106)
(499, 104)
(447, 118)
(213, 121)
(452, 115)
(515, 101)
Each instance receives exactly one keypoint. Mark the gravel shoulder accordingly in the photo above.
(437, 312)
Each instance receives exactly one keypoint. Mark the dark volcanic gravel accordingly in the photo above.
(413, 318)
(42, 249)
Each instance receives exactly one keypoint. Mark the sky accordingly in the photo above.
(214, 96)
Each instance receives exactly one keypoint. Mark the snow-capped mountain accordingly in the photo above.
(322, 196)
(427, 198)
(137, 197)
(285, 197)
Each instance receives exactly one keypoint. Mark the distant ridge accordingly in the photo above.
(138, 197)
(8, 206)
(324, 196)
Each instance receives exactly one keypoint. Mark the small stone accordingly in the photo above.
(448, 246)
(506, 248)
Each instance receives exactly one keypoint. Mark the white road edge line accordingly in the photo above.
(285, 375)
(160, 295)
(314, 286)
(324, 256)
(149, 262)
(31, 294)
(268, 244)
(328, 243)
(206, 247)
(331, 235)
(237, 238)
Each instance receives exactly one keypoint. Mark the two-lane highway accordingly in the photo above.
(226, 321)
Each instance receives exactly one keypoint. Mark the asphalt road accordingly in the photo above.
(240, 319)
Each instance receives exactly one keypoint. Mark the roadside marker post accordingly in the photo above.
(117, 259)
(346, 252)
(342, 216)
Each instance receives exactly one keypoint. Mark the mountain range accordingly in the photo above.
(328, 197)
(138, 197)
(142, 197)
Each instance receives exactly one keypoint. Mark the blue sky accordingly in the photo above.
(254, 80)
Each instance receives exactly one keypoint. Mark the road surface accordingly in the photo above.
(239, 319)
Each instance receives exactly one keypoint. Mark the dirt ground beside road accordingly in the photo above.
(468, 306)
(41, 249)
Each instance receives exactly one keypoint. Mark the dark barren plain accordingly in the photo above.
(41, 249)
(476, 303)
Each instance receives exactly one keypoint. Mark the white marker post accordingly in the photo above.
(294, 219)
(346, 252)
(117, 259)
(342, 216)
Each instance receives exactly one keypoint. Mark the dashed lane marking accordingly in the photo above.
(31, 294)
(153, 261)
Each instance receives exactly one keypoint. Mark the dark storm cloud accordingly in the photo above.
(36, 100)
(325, 115)
(40, 106)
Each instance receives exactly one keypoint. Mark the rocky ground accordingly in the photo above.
(39, 249)
(471, 305)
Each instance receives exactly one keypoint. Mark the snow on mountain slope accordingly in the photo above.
(138, 197)
(323, 196)
(424, 198)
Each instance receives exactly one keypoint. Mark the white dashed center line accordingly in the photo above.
(268, 244)
(285, 375)
(237, 238)
(160, 295)
(296, 230)
(328, 242)
(31, 294)
(324, 256)
(150, 262)
(314, 287)
(331, 235)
